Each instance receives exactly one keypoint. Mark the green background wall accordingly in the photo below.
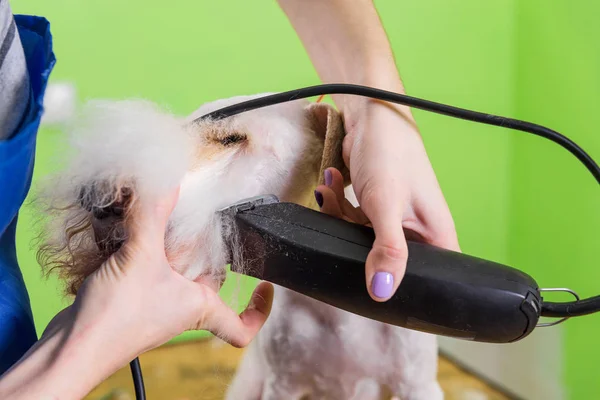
(515, 199)
(553, 199)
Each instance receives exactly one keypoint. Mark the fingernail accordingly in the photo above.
(382, 285)
(328, 177)
(319, 198)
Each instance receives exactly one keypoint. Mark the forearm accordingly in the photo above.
(345, 41)
(67, 363)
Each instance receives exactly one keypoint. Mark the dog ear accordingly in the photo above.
(118, 151)
(328, 123)
(108, 205)
(86, 225)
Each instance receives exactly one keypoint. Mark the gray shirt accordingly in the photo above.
(14, 77)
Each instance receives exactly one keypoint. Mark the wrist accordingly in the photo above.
(84, 356)
(378, 74)
(66, 363)
(359, 109)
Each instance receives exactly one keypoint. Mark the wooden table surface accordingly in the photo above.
(201, 370)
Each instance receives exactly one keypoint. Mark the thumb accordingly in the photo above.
(148, 221)
(386, 262)
(239, 330)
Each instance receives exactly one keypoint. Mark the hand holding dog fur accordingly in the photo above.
(134, 302)
(146, 303)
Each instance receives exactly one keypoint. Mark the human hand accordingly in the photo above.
(146, 303)
(132, 303)
(395, 186)
(389, 168)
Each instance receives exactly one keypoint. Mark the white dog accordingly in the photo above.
(126, 150)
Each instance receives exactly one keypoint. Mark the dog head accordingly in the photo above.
(124, 151)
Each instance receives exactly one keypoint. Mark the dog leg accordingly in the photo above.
(249, 379)
(433, 391)
(369, 389)
(280, 389)
(429, 391)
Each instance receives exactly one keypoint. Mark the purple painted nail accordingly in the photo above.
(382, 285)
(328, 177)
(319, 198)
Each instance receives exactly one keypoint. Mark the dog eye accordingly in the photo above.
(232, 139)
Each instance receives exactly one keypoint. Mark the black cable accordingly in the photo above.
(426, 105)
(138, 380)
(571, 309)
(576, 308)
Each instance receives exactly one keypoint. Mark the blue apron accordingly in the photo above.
(17, 330)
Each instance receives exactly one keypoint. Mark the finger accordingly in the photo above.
(386, 262)
(330, 205)
(259, 307)
(413, 235)
(335, 181)
(327, 201)
(355, 213)
(148, 221)
(239, 330)
(436, 225)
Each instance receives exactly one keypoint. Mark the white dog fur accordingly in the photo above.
(126, 150)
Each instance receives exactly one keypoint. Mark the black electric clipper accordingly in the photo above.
(323, 257)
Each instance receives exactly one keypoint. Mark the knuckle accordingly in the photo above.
(397, 251)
